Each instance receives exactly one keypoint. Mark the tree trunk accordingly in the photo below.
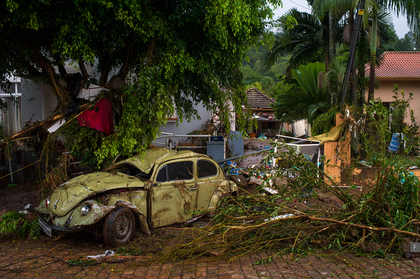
(373, 44)
(48, 73)
(331, 37)
(331, 49)
(362, 47)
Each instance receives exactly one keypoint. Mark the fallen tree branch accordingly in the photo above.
(378, 229)
(47, 121)
(36, 126)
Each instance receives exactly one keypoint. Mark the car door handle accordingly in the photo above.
(192, 189)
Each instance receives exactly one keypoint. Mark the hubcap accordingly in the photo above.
(123, 227)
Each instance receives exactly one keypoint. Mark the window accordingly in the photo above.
(206, 169)
(129, 169)
(162, 174)
(12, 117)
(176, 171)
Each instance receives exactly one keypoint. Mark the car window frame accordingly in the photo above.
(165, 164)
(210, 161)
(113, 167)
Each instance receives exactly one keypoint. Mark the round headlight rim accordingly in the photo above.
(85, 209)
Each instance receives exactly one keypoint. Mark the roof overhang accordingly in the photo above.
(398, 78)
(261, 109)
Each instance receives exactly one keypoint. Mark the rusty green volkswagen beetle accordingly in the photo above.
(163, 188)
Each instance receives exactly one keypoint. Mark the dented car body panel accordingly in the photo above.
(163, 188)
(69, 194)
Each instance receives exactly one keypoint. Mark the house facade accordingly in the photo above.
(34, 101)
(400, 68)
(26, 101)
(263, 112)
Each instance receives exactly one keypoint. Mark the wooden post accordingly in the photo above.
(337, 154)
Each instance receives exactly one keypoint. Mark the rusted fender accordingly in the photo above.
(226, 187)
(98, 211)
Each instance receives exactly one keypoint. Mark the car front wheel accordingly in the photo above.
(119, 227)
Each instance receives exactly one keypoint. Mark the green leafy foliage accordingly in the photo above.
(383, 122)
(408, 43)
(306, 208)
(310, 100)
(144, 110)
(306, 40)
(166, 53)
(324, 122)
(403, 120)
(377, 134)
(294, 219)
(335, 77)
(398, 192)
(286, 86)
(255, 74)
(307, 77)
(17, 224)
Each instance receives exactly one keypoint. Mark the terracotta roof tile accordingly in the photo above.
(398, 64)
(258, 100)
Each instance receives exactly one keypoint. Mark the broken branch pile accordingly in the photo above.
(309, 210)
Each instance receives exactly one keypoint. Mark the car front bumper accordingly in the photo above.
(47, 227)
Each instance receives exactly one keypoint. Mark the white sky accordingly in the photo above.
(400, 23)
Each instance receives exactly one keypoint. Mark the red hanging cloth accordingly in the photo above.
(99, 118)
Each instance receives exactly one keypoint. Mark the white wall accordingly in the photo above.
(38, 102)
(187, 127)
(301, 128)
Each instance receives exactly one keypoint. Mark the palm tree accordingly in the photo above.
(410, 7)
(335, 76)
(334, 9)
(373, 11)
(308, 102)
(377, 22)
(307, 40)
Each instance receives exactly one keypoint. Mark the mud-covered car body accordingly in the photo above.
(161, 188)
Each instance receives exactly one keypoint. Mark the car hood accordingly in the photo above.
(72, 192)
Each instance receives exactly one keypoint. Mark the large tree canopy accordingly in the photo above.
(166, 52)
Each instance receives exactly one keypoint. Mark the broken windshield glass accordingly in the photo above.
(131, 170)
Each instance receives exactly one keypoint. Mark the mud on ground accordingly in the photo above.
(15, 197)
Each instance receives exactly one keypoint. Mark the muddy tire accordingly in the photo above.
(119, 227)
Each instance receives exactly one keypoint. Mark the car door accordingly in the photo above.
(173, 194)
(208, 174)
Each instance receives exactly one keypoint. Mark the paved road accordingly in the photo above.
(30, 260)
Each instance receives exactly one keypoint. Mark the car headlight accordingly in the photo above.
(47, 202)
(85, 210)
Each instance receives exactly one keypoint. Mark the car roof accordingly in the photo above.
(156, 156)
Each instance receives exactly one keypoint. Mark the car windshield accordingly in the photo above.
(129, 169)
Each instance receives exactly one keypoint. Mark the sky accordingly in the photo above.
(400, 23)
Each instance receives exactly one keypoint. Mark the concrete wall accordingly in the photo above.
(187, 127)
(37, 102)
(385, 92)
